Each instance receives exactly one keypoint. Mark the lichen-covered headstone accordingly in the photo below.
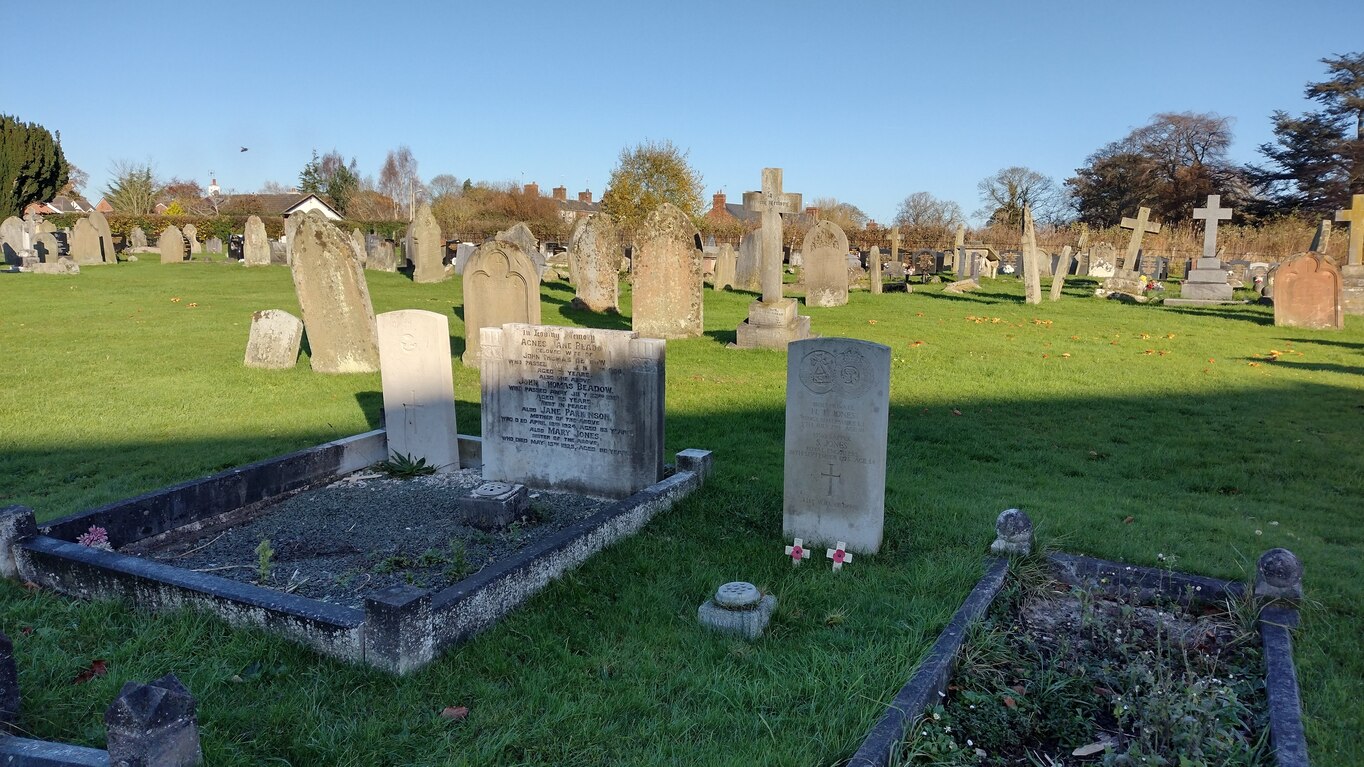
(427, 247)
(256, 250)
(357, 243)
(1013, 533)
(419, 389)
(874, 269)
(172, 245)
(274, 341)
(213, 245)
(501, 285)
(826, 265)
(594, 251)
(137, 238)
(667, 301)
(383, 257)
(291, 224)
(84, 244)
(1032, 257)
(1278, 575)
(334, 297)
(521, 235)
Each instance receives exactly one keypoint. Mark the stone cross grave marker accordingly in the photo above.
(874, 269)
(172, 245)
(427, 247)
(594, 254)
(256, 249)
(1140, 226)
(1058, 280)
(826, 270)
(837, 409)
(1210, 215)
(192, 239)
(668, 285)
(771, 202)
(1354, 216)
(501, 285)
(1032, 279)
(419, 388)
(1208, 280)
(274, 340)
(572, 409)
(334, 297)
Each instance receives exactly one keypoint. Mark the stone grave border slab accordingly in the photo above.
(400, 629)
(929, 681)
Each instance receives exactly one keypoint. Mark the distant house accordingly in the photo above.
(58, 206)
(722, 212)
(278, 204)
(572, 210)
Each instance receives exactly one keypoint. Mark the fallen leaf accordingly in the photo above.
(1254, 364)
(455, 713)
(1075, 338)
(1009, 702)
(1044, 356)
(917, 343)
(871, 322)
(193, 304)
(98, 667)
(26, 630)
(918, 314)
(1065, 354)
(1093, 748)
(1127, 520)
(1210, 359)
(1018, 688)
(31, 586)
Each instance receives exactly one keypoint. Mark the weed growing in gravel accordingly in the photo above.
(402, 466)
(264, 557)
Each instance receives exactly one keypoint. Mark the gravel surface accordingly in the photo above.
(367, 531)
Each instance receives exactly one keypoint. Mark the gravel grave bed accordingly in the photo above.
(366, 531)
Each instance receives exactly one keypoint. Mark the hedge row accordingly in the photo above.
(122, 224)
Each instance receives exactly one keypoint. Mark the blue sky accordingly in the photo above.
(865, 102)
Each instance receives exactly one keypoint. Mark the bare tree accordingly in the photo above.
(849, 217)
(398, 180)
(274, 187)
(444, 185)
(1004, 194)
(928, 218)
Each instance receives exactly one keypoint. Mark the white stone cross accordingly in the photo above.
(839, 555)
(771, 203)
(1354, 216)
(797, 552)
(1139, 226)
(1211, 215)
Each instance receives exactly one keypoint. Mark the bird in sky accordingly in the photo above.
(243, 149)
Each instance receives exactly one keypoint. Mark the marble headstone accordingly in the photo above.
(419, 388)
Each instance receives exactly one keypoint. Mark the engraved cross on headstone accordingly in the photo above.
(832, 476)
(771, 203)
(1354, 216)
(1211, 215)
(1139, 226)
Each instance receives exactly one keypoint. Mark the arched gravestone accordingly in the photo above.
(427, 247)
(172, 245)
(334, 297)
(106, 237)
(1308, 293)
(256, 251)
(725, 261)
(501, 285)
(667, 276)
(192, 239)
(594, 255)
(748, 265)
(84, 243)
(137, 238)
(11, 240)
(826, 265)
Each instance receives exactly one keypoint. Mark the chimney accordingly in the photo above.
(585, 196)
(561, 193)
(812, 212)
(532, 189)
(717, 201)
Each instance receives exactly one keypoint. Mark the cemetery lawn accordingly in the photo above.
(1194, 438)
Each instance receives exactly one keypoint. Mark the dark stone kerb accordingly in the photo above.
(1281, 687)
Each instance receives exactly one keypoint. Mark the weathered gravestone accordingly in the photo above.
(274, 341)
(85, 244)
(12, 240)
(427, 247)
(1207, 281)
(667, 276)
(874, 269)
(1321, 240)
(48, 249)
(192, 239)
(419, 388)
(523, 238)
(106, 237)
(172, 245)
(837, 410)
(1103, 260)
(1307, 293)
(1140, 226)
(772, 321)
(137, 238)
(357, 244)
(748, 267)
(501, 285)
(960, 262)
(462, 253)
(291, 224)
(256, 251)
(1058, 280)
(1032, 279)
(594, 256)
(826, 266)
(334, 297)
(280, 254)
(725, 262)
(383, 257)
(213, 245)
(1352, 271)
(572, 409)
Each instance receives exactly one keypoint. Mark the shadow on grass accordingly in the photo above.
(1324, 367)
(723, 337)
(1259, 318)
(591, 319)
(1326, 342)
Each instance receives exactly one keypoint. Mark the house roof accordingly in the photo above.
(577, 206)
(279, 204)
(58, 205)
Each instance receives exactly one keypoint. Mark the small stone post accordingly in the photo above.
(1013, 533)
(1278, 575)
(153, 725)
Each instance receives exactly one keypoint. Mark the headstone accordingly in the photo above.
(521, 235)
(748, 268)
(256, 252)
(12, 239)
(106, 237)
(334, 297)
(1352, 271)
(726, 261)
(62, 265)
(1103, 260)
(572, 409)
(462, 253)
(1307, 293)
(1207, 281)
(1140, 226)
(772, 321)
(667, 276)
(85, 243)
(213, 245)
(874, 269)
(961, 262)
(428, 247)
(137, 238)
(837, 406)
(894, 236)
(172, 245)
(501, 285)
(280, 254)
(192, 237)
(826, 271)
(419, 388)
(46, 246)
(291, 224)
(274, 341)
(594, 255)
(1322, 239)
(153, 724)
(383, 257)
(1058, 280)
(1032, 279)
(357, 244)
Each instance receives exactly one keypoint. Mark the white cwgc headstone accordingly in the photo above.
(837, 411)
(572, 409)
(274, 341)
(419, 388)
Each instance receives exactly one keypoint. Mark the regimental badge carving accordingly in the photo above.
(817, 371)
(408, 342)
(822, 372)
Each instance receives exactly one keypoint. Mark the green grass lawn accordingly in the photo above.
(1126, 432)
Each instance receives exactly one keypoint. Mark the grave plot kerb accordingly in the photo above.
(400, 629)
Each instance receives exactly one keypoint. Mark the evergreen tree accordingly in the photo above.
(32, 166)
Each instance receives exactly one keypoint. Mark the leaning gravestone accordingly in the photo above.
(572, 409)
(523, 238)
(748, 267)
(137, 238)
(84, 244)
(837, 410)
(192, 238)
(357, 243)
(1032, 272)
(274, 341)
(594, 254)
(334, 297)
(427, 247)
(1308, 293)
(291, 224)
(172, 245)
(419, 389)
(826, 270)
(667, 276)
(106, 237)
(256, 251)
(725, 261)
(501, 285)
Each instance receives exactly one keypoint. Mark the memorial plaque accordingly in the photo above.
(572, 409)
(837, 410)
(419, 387)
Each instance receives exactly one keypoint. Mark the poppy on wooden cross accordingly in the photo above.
(840, 556)
(797, 552)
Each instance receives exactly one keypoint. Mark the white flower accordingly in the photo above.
(969, 743)
(935, 716)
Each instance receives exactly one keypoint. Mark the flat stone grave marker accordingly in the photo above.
(826, 265)
(427, 251)
(501, 285)
(419, 387)
(572, 409)
(1307, 293)
(256, 251)
(334, 297)
(667, 276)
(837, 411)
(172, 245)
(274, 341)
(594, 256)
